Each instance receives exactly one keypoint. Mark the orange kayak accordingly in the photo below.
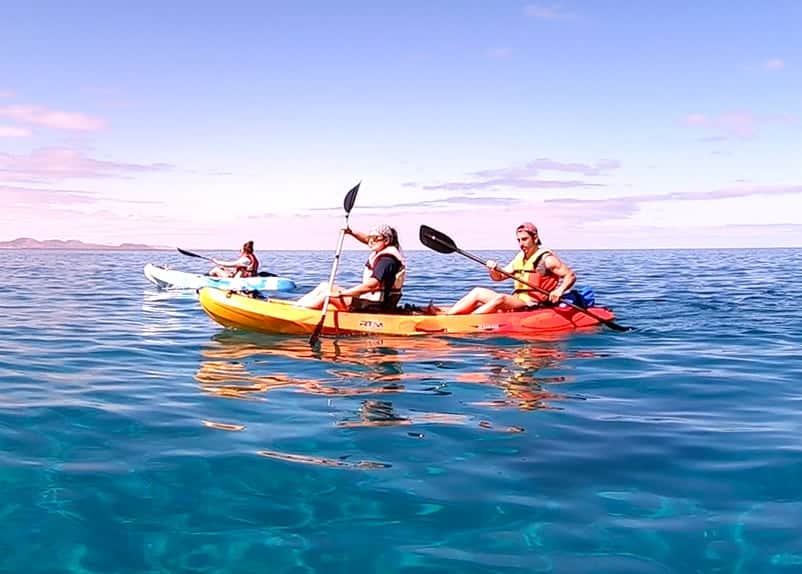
(276, 316)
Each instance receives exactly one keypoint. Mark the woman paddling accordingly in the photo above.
(247, 265)
(382, 278)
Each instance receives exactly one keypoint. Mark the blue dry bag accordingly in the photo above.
(581, 297)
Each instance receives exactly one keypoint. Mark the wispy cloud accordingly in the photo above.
(727, 193)
(547, 12)
(14, 132)
(37, 197)
(55, 119)
(734, 125)
(509, 182)
(56, 164)
(33, 197)
(628, 203)
(539, 165)
(524, 176)
(774, 64)
(597, 209)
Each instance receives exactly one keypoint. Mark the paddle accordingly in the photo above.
(191, 254)
(442, 243)
(348, 204)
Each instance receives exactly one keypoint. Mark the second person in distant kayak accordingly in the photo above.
(247, 265)
(539, 275)
(382, 278)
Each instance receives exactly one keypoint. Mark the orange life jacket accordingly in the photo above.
(526, 271)
(251, 270)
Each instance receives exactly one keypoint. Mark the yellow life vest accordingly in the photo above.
(525, 271)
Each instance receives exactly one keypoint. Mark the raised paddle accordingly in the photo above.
(442, 243)
(348, 204)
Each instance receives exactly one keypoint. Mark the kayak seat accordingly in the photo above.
(389, 305)
(393, 299)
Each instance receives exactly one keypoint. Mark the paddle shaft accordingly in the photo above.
(348, 205)
(191, 254)
(333, 273)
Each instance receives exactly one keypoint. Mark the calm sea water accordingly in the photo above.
(139, 436)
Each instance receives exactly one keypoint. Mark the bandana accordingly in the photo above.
(383, 231)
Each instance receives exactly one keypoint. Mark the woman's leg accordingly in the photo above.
(315, 298)
(219, 272)
(477, 296)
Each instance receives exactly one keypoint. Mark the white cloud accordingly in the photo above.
(14, 132)
(546, 12)
(56, 119)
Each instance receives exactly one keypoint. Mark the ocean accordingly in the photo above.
(139, 436)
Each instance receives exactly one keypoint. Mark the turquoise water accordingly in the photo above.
(139, 436)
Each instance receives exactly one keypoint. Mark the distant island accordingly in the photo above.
(30, 243)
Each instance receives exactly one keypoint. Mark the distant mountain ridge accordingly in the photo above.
(30, 243)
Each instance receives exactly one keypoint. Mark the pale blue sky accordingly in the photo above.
(203, 124)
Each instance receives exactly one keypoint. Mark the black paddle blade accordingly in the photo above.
(189, 253)
(615, 326)
(436, 240)
(313, 340)
(350, 198)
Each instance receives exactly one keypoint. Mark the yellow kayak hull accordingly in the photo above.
(276, 316)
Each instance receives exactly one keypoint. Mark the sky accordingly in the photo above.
(609, 124)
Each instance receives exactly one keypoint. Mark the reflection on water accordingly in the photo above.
(373, 413)
(321, 461)
(485, 374)
(515, 372)
(166, 312)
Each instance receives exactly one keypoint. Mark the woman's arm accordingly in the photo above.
(358, 235)
(241, 262)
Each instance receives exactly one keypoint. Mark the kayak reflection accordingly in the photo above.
(375, 413)
(296, 397)
(352, 367)
(517, 373)
(248, 366)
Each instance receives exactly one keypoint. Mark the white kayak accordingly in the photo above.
(172, 279)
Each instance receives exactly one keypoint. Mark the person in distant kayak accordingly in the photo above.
(382, 278)
(534, 265)
(247, 265)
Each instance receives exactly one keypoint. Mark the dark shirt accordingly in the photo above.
(385, 269)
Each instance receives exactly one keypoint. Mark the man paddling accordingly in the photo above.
(535, 265)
